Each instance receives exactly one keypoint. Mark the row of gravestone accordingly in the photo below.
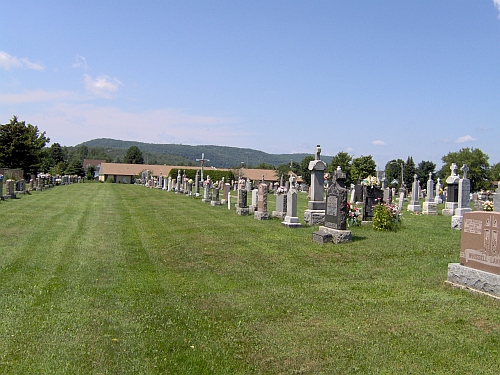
(16, 187)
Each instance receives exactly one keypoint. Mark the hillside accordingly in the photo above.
(219, 156)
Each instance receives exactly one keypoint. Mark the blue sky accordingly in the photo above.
(383, 78)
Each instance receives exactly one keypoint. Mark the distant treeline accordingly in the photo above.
(177, 154)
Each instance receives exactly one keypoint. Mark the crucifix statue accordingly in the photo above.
(202, 160)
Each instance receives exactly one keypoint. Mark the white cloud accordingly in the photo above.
(497, 5)
(81, 62)
(465, 138)
(34, 96)
(103, 86)
(349, 149)
(70, 124)
(378, 142)
(8, 62)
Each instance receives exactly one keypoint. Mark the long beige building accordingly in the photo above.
(125, 173)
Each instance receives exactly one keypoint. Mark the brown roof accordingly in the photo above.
(269, 174)
(135, 169)
(93, 162)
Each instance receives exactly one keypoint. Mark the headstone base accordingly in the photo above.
(291, 222)
(366, 222)
(205, 200)
(261, 215)
(337, 236)
(280, 215)
(449, 208)
(474, 279)
(223, 201)
(456, 222)
(414, 208)
(429, 208)
(215, 203)
(251, 209)
(242, 211)
(314, 217)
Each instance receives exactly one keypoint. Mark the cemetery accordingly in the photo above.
(177, 278)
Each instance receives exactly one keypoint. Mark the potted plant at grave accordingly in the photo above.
(386, 216)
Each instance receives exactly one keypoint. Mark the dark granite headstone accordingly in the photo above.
(372, 195)
(336, 203)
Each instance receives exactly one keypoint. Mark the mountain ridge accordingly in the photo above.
(218, 156)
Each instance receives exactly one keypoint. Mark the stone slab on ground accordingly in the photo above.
(474, 279)
(257, 215)
(321, 237)
(242, 211)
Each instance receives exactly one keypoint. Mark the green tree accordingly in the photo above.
(476, 160)
(98, 153)
(363, 167)
(75, 168)
(393, 172)
(264, 166)
(495, 172)
(283, 169)
(89, 173)
(57, 153)
(344, 161)
(133, 156)
(409, 171)
(304, 169)
(423, 169)
(21, 146)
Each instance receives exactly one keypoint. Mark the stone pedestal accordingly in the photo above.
(474, 279)
(291, 222)
(449, 209)
(430, 208)
(314, 217)
(336, 236)
(456, 222)
(414, 208)
(281, 206)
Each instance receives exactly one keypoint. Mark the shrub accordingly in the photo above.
(386, 217)
(110, 179)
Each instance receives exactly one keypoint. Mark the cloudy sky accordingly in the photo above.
(383, 78)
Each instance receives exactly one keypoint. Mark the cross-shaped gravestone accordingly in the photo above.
(465, 170)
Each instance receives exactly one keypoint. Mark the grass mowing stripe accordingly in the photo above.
(188, 288)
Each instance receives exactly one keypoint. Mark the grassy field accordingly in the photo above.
(120, 279)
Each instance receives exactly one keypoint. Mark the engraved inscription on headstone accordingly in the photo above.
(479, 247)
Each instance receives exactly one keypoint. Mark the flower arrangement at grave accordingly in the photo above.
(354, 215)
(371, 181)
(485, 194)
(386, 217)
(488, 206)
(190, 181)
(280, 190)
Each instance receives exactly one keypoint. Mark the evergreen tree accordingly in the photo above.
(133, 156)
(21, 146)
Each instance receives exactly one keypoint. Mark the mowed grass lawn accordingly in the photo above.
(121, 279)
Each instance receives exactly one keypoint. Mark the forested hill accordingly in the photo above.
(219, 156)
